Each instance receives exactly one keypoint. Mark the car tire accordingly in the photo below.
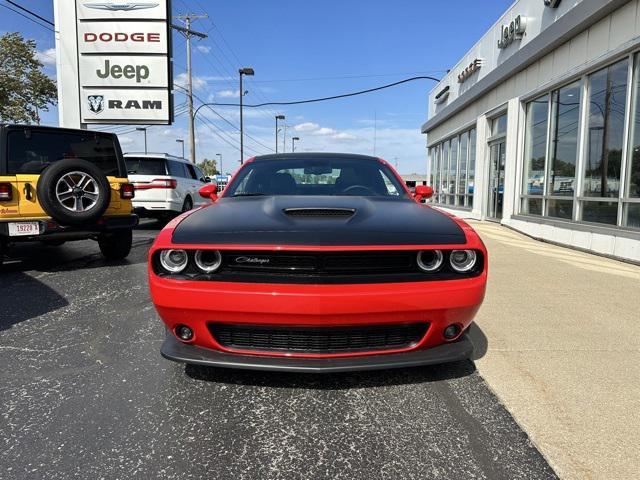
(58, 197)
(115, 245)
(187, 205)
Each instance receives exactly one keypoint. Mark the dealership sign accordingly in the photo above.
(123, 69)
(512, 31)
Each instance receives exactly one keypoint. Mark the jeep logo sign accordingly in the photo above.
(513, 31)
(124, 71)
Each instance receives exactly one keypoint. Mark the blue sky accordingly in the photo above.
(304, 50)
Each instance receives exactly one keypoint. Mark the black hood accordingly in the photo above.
(264, 221)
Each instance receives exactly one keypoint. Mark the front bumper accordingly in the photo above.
(51, 230)
(172, 349)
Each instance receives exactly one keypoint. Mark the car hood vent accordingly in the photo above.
(316, 212)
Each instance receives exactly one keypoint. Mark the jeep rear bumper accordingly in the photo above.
(51, 230)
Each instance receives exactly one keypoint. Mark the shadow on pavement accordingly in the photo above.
(333, 381)
(74, 255)
(479, 340)
(23, 298)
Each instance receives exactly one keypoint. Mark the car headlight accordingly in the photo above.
(174, 261)
(429, 260)
(462, 260)
(208, 261)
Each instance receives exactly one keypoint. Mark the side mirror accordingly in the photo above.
(423, 191)
(210, 190)
(206, 180)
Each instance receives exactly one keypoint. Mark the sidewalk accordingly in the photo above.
(563, 352)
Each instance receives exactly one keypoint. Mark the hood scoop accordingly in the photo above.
(319, 212)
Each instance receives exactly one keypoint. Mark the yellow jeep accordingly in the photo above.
(61, 184)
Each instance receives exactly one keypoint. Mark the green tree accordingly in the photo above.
(24, 89)
(209, 167)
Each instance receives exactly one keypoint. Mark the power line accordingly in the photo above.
(30, 12)
(324, 99)
(27, 17)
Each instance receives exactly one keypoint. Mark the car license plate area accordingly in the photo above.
(22, 229)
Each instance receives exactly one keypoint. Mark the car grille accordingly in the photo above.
(318, 340)
(320, 263)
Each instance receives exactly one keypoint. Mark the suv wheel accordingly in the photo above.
(74, 192)
(115, 245)
(187, 205)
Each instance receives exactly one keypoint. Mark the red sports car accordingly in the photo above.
(317, 263)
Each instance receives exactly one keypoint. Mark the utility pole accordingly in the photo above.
(293, 143)
(284, 139)
(241, 72)
(188, 33)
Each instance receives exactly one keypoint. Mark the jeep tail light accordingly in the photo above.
(6, 191)
(158, 183)
(127, 191)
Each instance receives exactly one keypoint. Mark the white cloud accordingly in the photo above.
(203, 48)
(47, 57)
(124, 140)
(306, 127)
(229, 93)
(324, 131)
(199, 83)
(344, 136)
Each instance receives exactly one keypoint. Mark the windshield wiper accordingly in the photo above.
(248, 194)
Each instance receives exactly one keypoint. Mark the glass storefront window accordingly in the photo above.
(462, 175)
(535, 146)
(607, 104)
(633, 182)
(499, 126)
(565, 120)
(444, 171)
(453, 169)
(632, 215)
(600, 212)
(471, 176)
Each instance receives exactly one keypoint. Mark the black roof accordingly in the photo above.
(313, 155)
(52, 128)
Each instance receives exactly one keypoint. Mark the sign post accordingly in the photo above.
(114, 62)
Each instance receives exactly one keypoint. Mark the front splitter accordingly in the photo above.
(173, 349)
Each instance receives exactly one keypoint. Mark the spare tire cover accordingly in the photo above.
(73, 192)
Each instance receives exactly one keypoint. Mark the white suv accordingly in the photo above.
(165, 185)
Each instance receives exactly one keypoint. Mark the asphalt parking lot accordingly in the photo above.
(84, 393)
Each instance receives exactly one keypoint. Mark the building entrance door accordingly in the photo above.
(496, 180)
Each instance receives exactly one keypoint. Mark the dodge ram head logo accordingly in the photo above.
(114, 7)
(96, 103)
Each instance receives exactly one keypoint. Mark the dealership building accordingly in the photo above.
(538, 125)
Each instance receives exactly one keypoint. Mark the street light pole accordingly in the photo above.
(278, 117)
(243, 71)
(221, 170)
(143, 129)
(293, 143)
(182, 142)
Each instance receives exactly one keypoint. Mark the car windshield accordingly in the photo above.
(30, 152)
(146, 166)
(317, 176)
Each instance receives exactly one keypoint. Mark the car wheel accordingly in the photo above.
(73, 192)
(115, 245)
(187, 205)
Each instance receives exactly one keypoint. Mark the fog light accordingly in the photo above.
(452, 331)
(184, 333)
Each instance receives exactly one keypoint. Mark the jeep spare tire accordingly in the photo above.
(73, 192)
